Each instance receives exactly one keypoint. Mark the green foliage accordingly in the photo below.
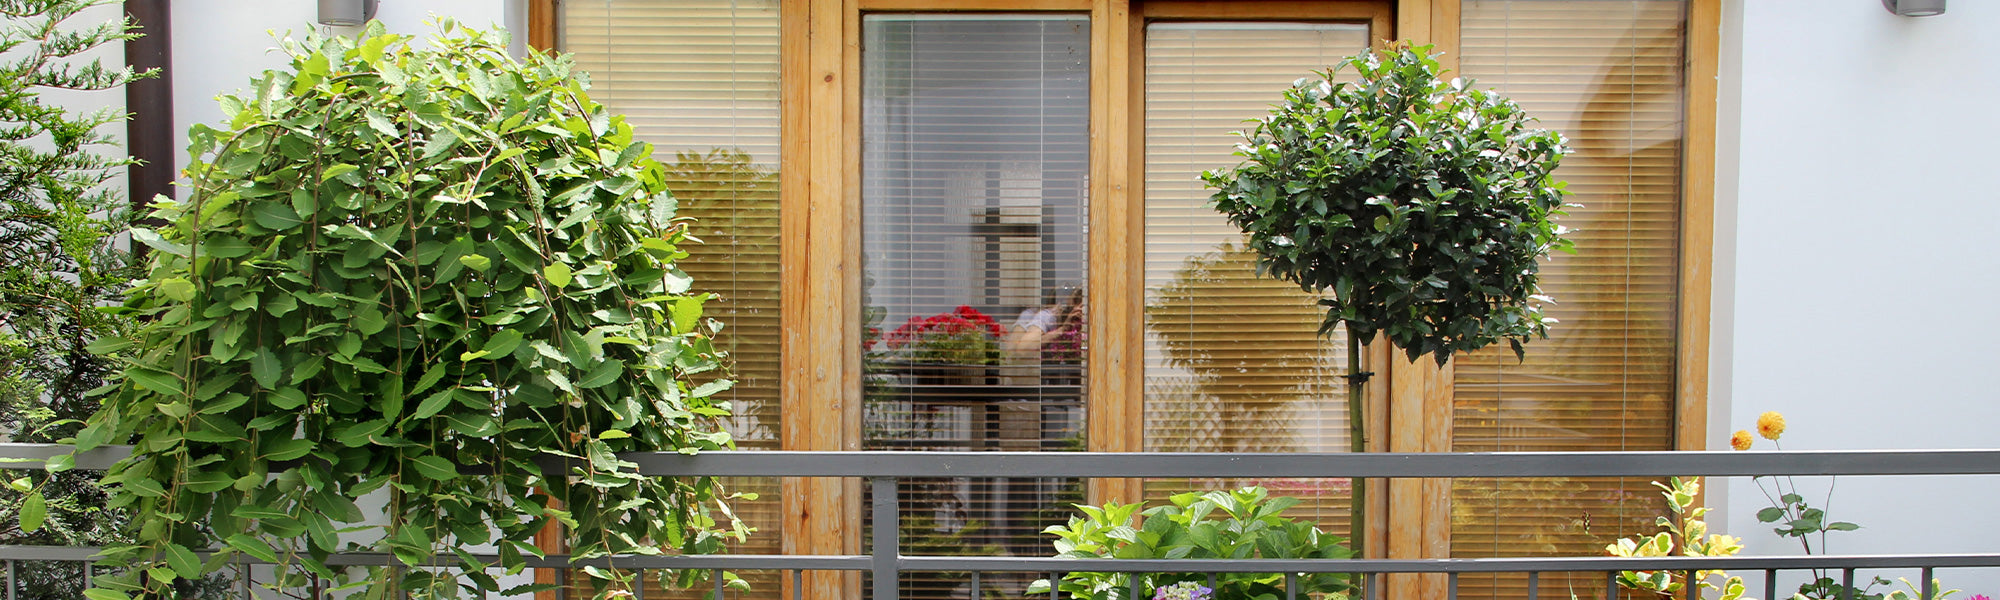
(1244, 523)
(1424, 206)
(60, 258)
(1685, 533)
(411, 272)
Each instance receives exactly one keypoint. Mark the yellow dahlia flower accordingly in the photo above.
(1771, 425)
(1740, 440)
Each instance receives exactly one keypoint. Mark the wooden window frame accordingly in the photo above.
(820, 199)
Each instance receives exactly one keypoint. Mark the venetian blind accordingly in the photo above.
(1233, 360)
(1607, 74)
(974, 148)
(699, 80)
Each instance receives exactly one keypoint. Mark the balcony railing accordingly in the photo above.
(885, 471)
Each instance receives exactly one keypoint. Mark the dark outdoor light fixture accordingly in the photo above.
(346, 13)
(1905, 8)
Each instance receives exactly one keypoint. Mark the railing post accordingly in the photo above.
(884, 548)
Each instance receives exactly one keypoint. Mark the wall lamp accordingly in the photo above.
(1902, 8)
(349, 13)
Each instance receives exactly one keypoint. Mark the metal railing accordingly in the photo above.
(886, 471)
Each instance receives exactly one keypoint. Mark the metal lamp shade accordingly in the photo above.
(345, 13)
(1909, 8)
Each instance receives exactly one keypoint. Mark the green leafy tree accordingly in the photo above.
(1424, 206)
(61, 209)
(415, 272)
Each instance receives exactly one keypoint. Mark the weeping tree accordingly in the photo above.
(1423, 206)
(420, 273)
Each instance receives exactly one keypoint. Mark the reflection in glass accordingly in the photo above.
(1234, 362)
(975, 145)
(699, 80)
(1610, 79)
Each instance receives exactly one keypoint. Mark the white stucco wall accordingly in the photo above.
(1858, 259)
(220, 44)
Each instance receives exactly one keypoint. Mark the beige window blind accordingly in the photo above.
(974, 150)
(699, 80)
(1608, 74)
(1233, 360)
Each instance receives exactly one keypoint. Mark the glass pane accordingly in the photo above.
(975, 146)
(1233, 360)
(699, 80)
(1610, 79)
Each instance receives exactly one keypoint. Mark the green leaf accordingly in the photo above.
(558, 275)
(254, 547)
(265, 368)
(156, 381)
(107, 345)
(152, 239)
(34, 511)
(276, 216)
(435, 468)
(183, 562)
(476, 262)
(177, 288)
(289, 449)
(433, 404)
(503, 343)
(60, 462)
(98, 593)
(613, 434)
(602, 374)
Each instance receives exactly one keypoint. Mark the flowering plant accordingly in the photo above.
(1186, 590)
(962, 336)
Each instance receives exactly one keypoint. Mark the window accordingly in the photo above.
(1022, 158)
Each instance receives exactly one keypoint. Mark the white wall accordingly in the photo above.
(1859, 258)
(219, 45)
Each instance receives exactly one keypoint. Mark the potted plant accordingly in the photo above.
(1424, 206)
(949, 348)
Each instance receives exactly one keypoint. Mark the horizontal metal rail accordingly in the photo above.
(885, 472)
(1463, 465)
(995, 564)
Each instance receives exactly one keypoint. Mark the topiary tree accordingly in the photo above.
(1423, 206)
(413, 273)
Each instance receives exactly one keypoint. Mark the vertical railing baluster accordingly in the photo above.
(1771, 584)
(1291, 586)
(1693, 587)
(639, 584)
(1136, 592)
(1610, 585)
(13, 580)
(975, 585)
(1451, 586)
(1847, 583)
(798, 584)
(1370, 585)
(1928, 588)
(1055, 583)
(1534, 585)
(718, 583)
(1211, 580)
(884, 552)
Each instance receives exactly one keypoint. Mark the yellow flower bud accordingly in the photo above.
(1740, 440)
